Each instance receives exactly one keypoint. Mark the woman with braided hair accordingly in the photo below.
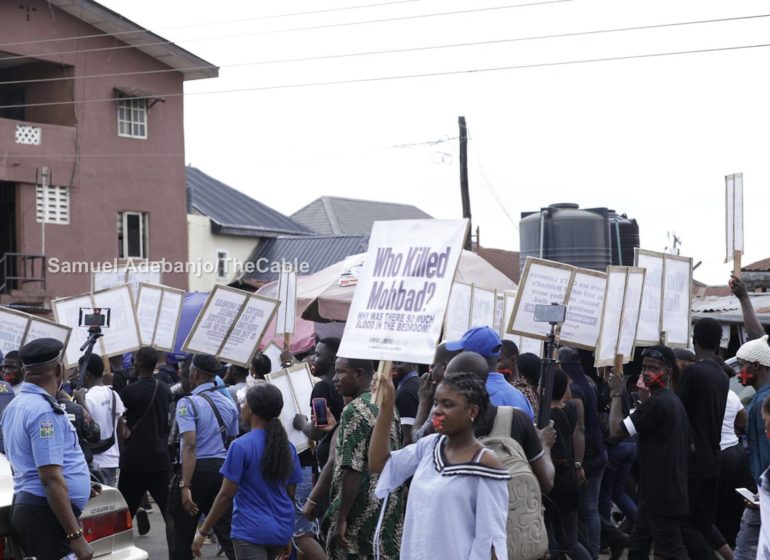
(458, 498)
(260, 475)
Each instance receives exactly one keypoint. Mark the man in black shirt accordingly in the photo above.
(144, 462)
(664, 437)
(702, 387)
(407, 397)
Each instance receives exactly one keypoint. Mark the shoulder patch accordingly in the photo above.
(4, 388)
(46, 429)
(183, 410)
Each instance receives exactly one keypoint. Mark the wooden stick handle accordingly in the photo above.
(618, 364)
(384, 371)
(737, 263)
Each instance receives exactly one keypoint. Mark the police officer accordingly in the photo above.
(6, 396)
(207, 421)
(51, 480)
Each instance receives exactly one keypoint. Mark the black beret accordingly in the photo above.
(95, 365)
(40, 351)
(206, 364)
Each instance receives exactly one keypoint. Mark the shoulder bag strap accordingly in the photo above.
(147, 410)
(222, 428)
(503, 422)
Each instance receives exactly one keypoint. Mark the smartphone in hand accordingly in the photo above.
(319, 413)
(748, 495)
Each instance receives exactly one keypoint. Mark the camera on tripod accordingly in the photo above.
(91, 317)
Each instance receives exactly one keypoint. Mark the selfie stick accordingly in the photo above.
(94, 333)
(546, 379)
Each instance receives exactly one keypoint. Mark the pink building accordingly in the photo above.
(91, 146)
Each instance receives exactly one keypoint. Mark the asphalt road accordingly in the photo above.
(154, 542)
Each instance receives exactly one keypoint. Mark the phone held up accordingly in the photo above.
(319, 413)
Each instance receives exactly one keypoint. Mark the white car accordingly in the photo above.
(106, 522)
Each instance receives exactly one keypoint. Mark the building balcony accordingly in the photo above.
(26, 146)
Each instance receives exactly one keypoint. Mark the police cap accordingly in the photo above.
(41, 351)
(206, 364)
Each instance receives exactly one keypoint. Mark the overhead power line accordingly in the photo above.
(207, 23)
(401, 50)
(290, 30)
(408, 76)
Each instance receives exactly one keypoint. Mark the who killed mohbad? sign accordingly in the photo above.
(399, 304)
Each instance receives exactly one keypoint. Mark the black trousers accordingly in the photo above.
(38, 532)
(205, 485)
(660, 532)
(133, 485)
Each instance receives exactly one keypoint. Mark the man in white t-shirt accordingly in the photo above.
(107, 410)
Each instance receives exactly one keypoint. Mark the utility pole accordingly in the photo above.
(464, 194)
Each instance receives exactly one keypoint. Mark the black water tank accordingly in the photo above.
(624, 233)
(580, 237)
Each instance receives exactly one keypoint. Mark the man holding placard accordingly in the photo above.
(12, 372)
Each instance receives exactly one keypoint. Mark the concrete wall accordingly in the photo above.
(111, 174)
(203, 253)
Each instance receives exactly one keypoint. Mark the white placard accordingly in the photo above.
(677, 301)
(287, 311)
(248, 330)
(734, 219)
(648, 332)
(67, 312)
(402, 294)
(41, 328)
(584, 309)
(123, 333)
(13, 326)
(108, 278)
(630, 318)
(213, 323)
(530, 345)
(147, 307)
(302, 385)
(499, 322)
(273, 351)
(612, 310)
(542, 283)
(483, 309)
(145, 273)
(168, 319)
(290, 408)
(509, 300)
(458, 311)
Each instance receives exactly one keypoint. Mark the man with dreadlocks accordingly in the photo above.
(664, 439)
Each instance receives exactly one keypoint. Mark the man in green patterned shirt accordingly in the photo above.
(352, 516)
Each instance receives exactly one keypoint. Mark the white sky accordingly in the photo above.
(650, 137)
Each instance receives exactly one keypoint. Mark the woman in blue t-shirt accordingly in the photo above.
(260, 475)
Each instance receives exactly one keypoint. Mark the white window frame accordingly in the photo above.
(144, 234)
(132, 105)
(222, 254)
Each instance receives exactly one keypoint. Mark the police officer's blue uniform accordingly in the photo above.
(195, 414)
(6, 396)
(37, 433)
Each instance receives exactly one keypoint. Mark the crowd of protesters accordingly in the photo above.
(445, 463)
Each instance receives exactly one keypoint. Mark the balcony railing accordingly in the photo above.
(20, 269)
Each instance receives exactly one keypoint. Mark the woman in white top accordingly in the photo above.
(458, 498)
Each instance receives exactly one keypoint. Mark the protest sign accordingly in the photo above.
(273, 351)
(509, 300)
(402, 294)
(542, 283)
(129, 273)
(483, 307)
(648, 332)
(247, 330)
(214, 320)
(13, 327)
(122, 336)
(42, 328)
(287, 295)
(158, 309)
(66, 311)
(530, 345)
(458, 311)
(676, 319)
(632, 301)
(296, 386)
(734, 219)
(499, 322)
(612, 313)
(584, 309)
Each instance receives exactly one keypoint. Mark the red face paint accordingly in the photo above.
(745, 376)
(438, 421)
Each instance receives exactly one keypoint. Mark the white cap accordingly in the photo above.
(755, 351)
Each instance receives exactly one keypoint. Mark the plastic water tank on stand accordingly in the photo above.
(566, 233)
(624, 233)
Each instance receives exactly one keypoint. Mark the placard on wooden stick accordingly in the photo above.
(458, 311)
(483, 307)
(18, 328)
(584, 309)
(676, 312)
(648, 331)
(296, 386)
(622, 300)
(158, 309)
(287, 295)
(734, 220)
(543, 282)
